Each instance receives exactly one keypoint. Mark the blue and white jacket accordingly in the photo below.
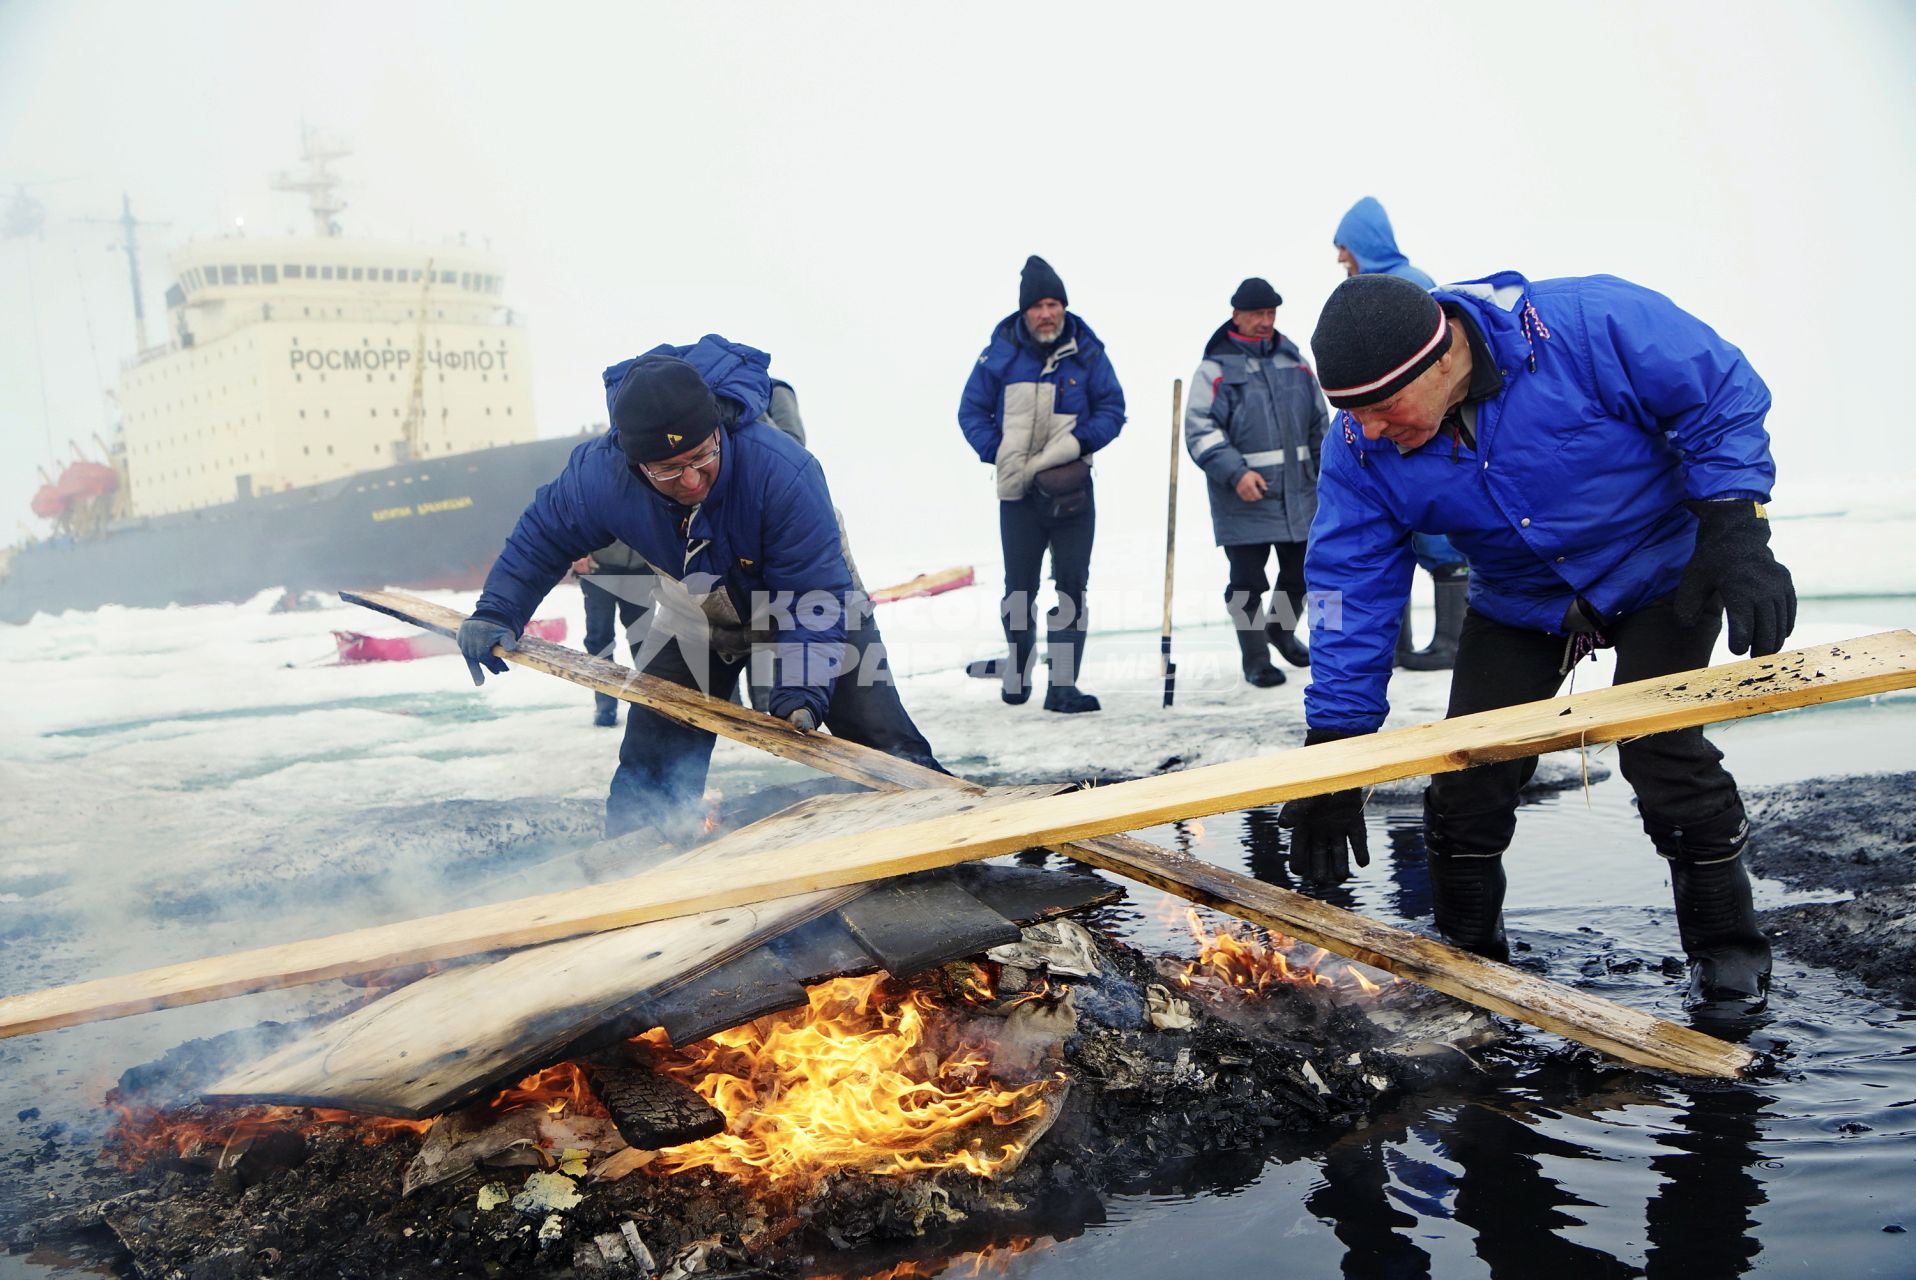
(1029, 407)
(1616, 407)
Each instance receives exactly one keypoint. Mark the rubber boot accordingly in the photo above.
(1014, 671)
(1453, 597)
(1405, 649)
(1066, 650)
(1467, 902)
(1729, 956)
(1254, 654)
(1284, 640)
(605, 712)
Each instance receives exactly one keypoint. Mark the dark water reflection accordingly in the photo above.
(1545, 1160)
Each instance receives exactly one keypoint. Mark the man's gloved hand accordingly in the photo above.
(803, 720)
(1326, 830)
(1733, 566)
(477, 636)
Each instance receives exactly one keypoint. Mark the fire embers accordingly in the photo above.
(872, 1076)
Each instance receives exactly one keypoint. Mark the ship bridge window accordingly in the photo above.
(249, 274)
(385, 275)
(229, 274)
(448, 277)
(357, 273)
(325, 273)
(291, 270)
(269, 274)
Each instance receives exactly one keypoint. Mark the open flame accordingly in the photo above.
(142, 1133)
(857, 1079)
(1256, 966)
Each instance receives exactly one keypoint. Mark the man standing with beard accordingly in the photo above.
(1040, 401)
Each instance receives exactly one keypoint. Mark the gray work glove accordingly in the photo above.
(1733, 568)
(477, 636)
(802, 720)
(1326, 830)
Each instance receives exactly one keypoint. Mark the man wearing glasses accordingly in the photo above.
(735, 522)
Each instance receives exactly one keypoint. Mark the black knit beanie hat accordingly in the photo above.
(1376, 334)
(1255, 294)
(662, 408)
(1037, 281)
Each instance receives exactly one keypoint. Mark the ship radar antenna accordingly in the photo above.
(319, 184)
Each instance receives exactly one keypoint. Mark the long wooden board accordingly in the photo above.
(435, 1043)
(1804, 677)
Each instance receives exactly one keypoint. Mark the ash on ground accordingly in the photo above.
(1149, 1068)
(1854, 836)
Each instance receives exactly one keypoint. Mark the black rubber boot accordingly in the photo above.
(605, 712)
(1021, 647)
(1729, 956)
(1066, 650)
(1289, 647)
(1467, 902)
(1453, 597)
(1405, 649)
(1254, 655)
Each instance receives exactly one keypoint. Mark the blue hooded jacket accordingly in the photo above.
(1617, 406)
(765, 531)
(1366, 232)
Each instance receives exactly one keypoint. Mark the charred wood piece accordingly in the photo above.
(651, 1110)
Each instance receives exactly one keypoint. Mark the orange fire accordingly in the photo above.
(1255, 966)
(143, 1134)
(990, 1260)
(853, 1081)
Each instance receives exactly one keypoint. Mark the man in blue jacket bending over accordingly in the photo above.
(1600, 456)
(1042, 399)
(733, 518)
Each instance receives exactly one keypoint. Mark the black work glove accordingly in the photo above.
(1734, 570)
(803, 720)
(1326, 830)
(477, 636)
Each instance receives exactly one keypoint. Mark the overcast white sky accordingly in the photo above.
(854, 188)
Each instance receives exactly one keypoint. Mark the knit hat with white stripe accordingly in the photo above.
(1375, 335)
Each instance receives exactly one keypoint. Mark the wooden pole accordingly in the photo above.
(1168, 668)
(1083, 826)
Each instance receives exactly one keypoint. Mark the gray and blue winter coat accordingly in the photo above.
(1029, 407)
(1255, 406)
(764, 534)
(1366, 232)
(1616, 407)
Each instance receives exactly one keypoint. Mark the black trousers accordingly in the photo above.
(606, 615)
(1687, 800)
(663, 763)
(1248, 561)
(1026, 530)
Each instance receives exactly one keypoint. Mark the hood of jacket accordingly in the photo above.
(1221, 343)
(732, 369)
(1366, 232)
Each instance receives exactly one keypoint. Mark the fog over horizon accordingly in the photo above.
(855, 189)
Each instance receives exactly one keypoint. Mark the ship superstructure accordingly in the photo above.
(325, 412)
(294, 361)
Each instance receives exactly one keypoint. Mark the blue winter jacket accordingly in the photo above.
(1082, 384)
(1616, 407)
(765, 532)
(1366, 232)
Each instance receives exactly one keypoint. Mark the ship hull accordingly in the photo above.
(422, 525)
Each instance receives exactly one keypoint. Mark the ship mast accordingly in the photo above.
(407, 447)
(317, 183)
(130, 244)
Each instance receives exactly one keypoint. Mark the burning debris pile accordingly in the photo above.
(951, 1111)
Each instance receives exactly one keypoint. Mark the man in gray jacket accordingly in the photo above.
(1255, 422)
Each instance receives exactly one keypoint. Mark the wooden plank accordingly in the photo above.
(915, 922)
(689, 706)
(1798, 678)
(456, 1034)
